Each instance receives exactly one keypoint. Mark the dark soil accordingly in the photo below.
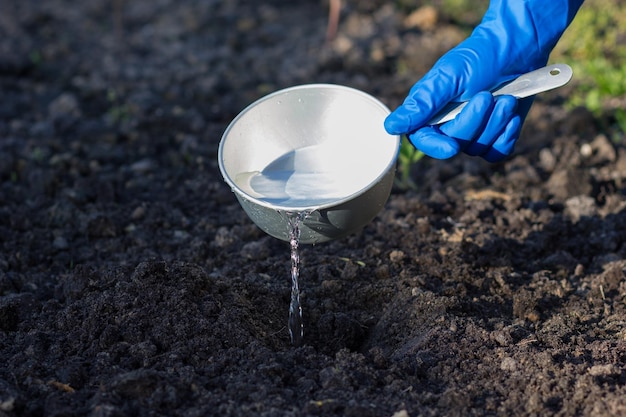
(133, 284)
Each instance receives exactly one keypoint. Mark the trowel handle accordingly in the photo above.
(529, 84)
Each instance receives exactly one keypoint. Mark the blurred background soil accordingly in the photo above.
(132, 283)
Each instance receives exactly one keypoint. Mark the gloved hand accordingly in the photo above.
(514, 37)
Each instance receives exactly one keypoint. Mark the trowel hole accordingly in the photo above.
(555, 72)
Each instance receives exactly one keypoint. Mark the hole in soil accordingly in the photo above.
(336, 331)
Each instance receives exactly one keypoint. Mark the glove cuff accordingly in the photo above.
(524, 32)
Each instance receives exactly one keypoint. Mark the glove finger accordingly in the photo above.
(523, 107)
(430, 141)
(437, 88)
(503, 111)
(505, 144)
(470, 122)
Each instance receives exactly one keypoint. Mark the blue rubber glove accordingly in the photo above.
(514, 37)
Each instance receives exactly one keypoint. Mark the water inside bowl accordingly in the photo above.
(307, 177)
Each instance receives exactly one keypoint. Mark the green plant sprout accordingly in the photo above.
(348, 260)
(407, 157)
